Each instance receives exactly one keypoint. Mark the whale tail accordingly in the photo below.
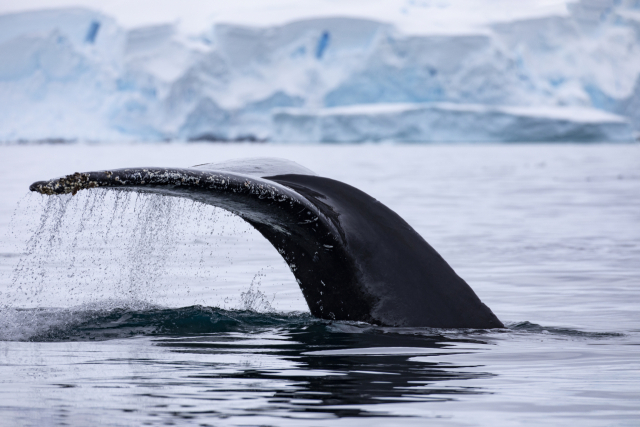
(353, 257)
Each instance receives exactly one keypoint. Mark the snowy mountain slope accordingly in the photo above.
(77, 74)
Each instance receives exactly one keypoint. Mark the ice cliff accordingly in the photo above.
(75, 74)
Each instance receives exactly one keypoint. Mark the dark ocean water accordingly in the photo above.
(130, 311)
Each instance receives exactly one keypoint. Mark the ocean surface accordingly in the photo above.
(119, 309)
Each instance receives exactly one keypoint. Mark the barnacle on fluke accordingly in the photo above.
(68, 184)
(354, 258)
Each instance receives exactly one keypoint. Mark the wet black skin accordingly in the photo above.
(354, 258)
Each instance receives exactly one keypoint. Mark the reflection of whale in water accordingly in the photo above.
(354, 258)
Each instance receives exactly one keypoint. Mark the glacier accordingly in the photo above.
(447, 122)
(76, 74)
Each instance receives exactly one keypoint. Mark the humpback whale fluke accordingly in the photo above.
(353, 257)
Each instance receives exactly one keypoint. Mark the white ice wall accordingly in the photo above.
(77, 74)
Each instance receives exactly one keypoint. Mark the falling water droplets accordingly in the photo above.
(106, 249)
(253, 299)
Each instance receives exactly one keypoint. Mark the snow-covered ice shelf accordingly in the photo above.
(447, 122)
(572, 74)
